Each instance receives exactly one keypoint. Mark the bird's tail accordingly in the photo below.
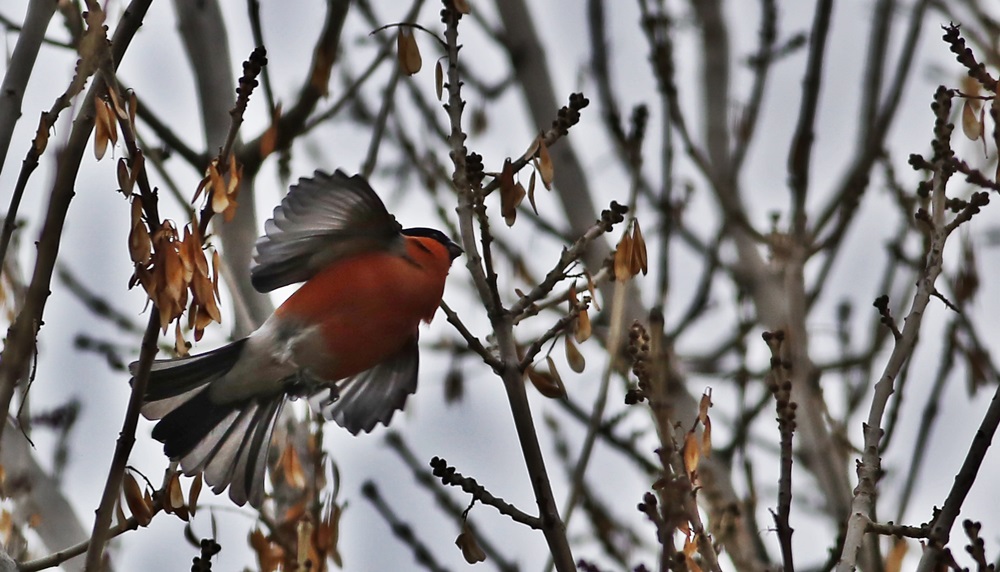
(227, 441)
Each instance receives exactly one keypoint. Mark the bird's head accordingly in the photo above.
(454, 250)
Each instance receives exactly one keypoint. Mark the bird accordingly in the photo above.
(346, 339)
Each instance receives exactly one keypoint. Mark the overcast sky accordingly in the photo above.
(477, 435)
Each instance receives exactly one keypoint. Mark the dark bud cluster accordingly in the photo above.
(943, 128)
(613, 215)
(569, 115)
(965, 57)
(474, 169)
(638, 350)
(203, 563)
(248, 81)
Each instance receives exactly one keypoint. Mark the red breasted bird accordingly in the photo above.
(346, 339)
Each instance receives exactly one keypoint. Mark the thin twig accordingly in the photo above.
(869, 469)
(450, 476)
(426, 480)
(20, 346)
(781, 388)
(549, 520)
(474, 343)
(800, 155)
(966, 476)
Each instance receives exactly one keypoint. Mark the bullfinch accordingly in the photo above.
(346, 339)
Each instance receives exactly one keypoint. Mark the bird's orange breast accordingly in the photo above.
(367, 307)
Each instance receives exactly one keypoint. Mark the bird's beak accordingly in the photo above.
(454, 250)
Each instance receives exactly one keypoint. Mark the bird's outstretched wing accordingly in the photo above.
(320, 220)
(360, 402)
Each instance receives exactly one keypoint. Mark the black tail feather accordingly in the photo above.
(228, 441)
(187, 425)
(170, 378)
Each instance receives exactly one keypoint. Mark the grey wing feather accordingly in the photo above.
(320, 220)
(374, 395)
(234, 453)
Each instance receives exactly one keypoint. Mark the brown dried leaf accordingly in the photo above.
(269, 140)
(640, 262)
(583, 328)
(270, 555)
(690, 547)
(216, 263)
(471, 550)
(548, 384)
(531, 191)
(230, 211)
(970, 85)
(184, 252)
(133, 106)
(194, 492)
(135, 501)
(706, 438)
(982, 127)
(971, 126)
(554, 372)
(168, 310)
(124, 180)
(220, 198)
(193, 242)
(623, 259)
(140, 248)
(574, 358)
(461, 6)
(894, 560)
(545, 168)
(233, 188)
(291, 467)
(296, 511)
(235, 176)
(174, 293)
(138, 165)
(175, 496)
(692, 453)
(593, 291)
(408, 52)
(115, 106)
(439, 79)
(328, 536)
(201, 187)
(529, 155)
(180, 346)
(704, 405)
(203, 296)
(198, 320)
(102, 135)
(511, 193)
(144, 277)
